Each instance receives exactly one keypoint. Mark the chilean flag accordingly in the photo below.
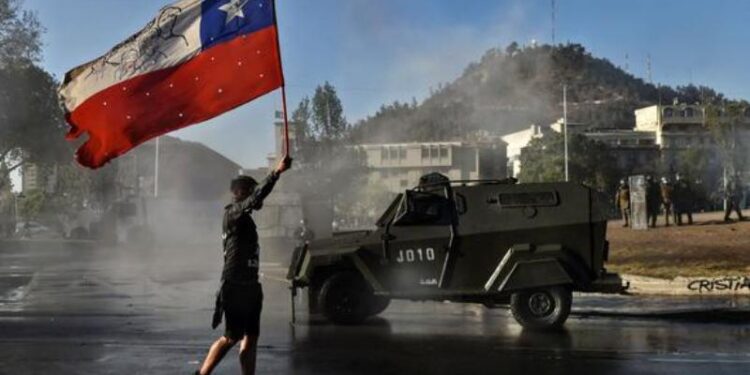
(196, 60)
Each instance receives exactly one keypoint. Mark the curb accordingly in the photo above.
(689, 286)
(694, 315)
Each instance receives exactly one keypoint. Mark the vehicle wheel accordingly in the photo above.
(344, 298)
(546, 308)
(378, 304)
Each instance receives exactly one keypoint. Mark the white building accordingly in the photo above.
(635, 151)
(517, 141)
(399, 165)
(660, 133)
(679, 127)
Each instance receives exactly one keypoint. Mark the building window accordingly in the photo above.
(402, 153)
(425, 152)
(443, 152)
(383, 153)
(688, 112)
(393, 151)
(668, 112)
(434, 152)
(404, 183)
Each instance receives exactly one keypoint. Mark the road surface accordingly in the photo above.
(75, 309)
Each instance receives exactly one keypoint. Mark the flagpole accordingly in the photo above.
(283, 84)
(565, 128)
(286, 121)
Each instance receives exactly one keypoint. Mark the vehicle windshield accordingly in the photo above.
(388, 214)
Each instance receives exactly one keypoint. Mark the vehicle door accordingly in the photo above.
(417, 241)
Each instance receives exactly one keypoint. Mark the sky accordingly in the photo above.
(378, 51)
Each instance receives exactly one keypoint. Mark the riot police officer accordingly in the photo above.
(667, 191)
(653, 200)
(240, 297)
(732, 197)
(683, 200)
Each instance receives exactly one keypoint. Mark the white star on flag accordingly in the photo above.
(234, 9)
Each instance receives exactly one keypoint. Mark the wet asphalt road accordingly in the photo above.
(71, 309)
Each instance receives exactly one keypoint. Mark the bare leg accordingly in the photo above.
(248, 353)
(218, 350)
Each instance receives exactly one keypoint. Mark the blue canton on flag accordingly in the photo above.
(222, 20)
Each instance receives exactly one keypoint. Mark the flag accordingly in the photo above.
(196, 60)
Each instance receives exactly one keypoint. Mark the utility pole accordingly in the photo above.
(648, 68)
(156, 168)
(553, 21)
(16, 197)
(627, 63)
(565, 128)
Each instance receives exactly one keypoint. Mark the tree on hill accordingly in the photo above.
(590, 162)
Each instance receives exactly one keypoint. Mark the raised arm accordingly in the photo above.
(255, 200)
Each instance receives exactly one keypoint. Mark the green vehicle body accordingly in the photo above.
(471, 241)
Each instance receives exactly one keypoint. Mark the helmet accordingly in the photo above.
(243, 181)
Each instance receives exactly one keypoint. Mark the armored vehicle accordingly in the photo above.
(494, 242)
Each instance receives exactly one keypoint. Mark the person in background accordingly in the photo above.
(622, 202)
(303, 234)
(667, 191)
(683, 200)
(653, 200)
(733, 197)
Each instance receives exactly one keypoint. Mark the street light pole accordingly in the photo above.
(15, 203)
(156, 168)
(565, 128)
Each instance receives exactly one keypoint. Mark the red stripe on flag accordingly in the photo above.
(215, 81)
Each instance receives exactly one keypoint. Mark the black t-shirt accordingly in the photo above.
(240, 235)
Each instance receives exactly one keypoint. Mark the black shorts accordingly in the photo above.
(242, 305)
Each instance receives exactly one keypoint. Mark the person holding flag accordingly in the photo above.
(240, 298)
(194, 61)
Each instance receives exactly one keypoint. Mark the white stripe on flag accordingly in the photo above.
(168, 40)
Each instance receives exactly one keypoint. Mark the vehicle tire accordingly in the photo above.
(344, 298)
(545, 308)
(378, 304)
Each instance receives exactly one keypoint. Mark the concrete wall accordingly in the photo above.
(647, 119)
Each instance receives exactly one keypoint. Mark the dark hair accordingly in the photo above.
(243, 181)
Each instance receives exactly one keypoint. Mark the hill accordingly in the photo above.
(187, 170)
(506, 90)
